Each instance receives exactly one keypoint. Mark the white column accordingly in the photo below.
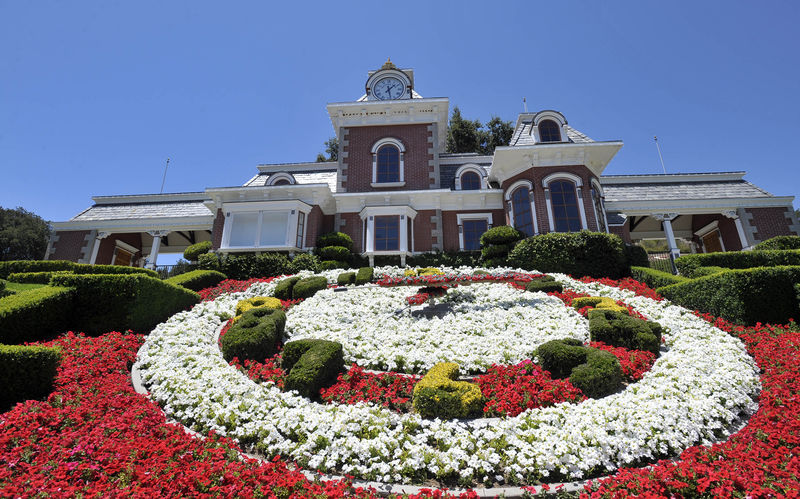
(403, 234)
(370, 234)
(412, 235)
(96, 246)
(152, 258)
(739, 228)
(666, 219)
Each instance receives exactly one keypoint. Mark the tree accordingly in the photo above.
(331, 149)
(470, 136)
(463, 135)
(23, 235)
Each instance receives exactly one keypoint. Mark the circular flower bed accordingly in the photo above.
(692, 394)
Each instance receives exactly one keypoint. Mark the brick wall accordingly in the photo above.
(216, 230)
(771, 222)
(536, 174)
(450, 225)
(622, 231)
(70, 245)
(357, 161)
(315, 222)
(422, 231)
(352, 226)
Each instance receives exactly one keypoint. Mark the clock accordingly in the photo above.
(389, 88)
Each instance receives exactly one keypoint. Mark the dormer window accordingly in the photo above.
(282, 181)
(470, 181)
(470, 177)
(387, 163)
(280, 178)
(549, 131)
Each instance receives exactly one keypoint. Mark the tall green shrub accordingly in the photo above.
(497, 242)
(334, 247)
(26, 372)
(249, 265)
(194, 251)
(594, 254)
(779, 243)
(197, 279)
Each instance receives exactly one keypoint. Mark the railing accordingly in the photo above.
(662, 261)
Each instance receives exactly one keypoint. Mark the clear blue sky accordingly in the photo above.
(94, 96)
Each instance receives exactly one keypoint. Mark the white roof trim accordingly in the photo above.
(151, 198)
(671, 177)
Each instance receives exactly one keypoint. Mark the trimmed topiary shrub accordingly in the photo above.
(346, 278)
(339, 253)
(497, 242)
(304, 261)
(194, 251)
(560, 357)
(311, 365)
(614, 327)
(305, 288)
(545, 286)
(35, 277)
(704, 271)
(118, 302)
(364, 275)
(255, 335)
(743, 296)
(35, 314)
(197, 279)
(26, 372)
(248, 266)
(594, 254)
(655, 278)
(208, 261)
(779, 243)
(85, 268)
(257, 302)
(335, 239)
(439, 395)
(283, 289)
(636, 256)
(603, 302)
(333, 264)
(601, 375)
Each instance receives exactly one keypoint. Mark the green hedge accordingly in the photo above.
(364, 275)
(304, 261)
(704, 271)
(35, 277)
(346, 278)
(594, 372)
(744, 296)
(779, 243)
(545, 286)
(84, 268)
(197, 279)
(194, 251)
(311, 364)
(118, 302)
(560, 357)
(284, 288)
(35, 314)
(26, 372)
(255, 335)
(249, 265)
(335, 239)
(305, 288)
(655, 278)
(594, 254)
(17, 266)
(622, 330)
(333, 265)
(502, 234)
(208, 261)
(737, 260)
(636, 256)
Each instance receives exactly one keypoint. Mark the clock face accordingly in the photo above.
(389, 88)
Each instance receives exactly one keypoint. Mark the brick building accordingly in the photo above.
(395, 191)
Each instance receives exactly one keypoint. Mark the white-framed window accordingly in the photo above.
(564, 200)
(711, 238)
(470, 178)
(281, 178)
(521, 208)
(471, 227)
(264, 225)
(388, 163)
(549, 131)
(123, 254)
(387, 229)
(549, 127)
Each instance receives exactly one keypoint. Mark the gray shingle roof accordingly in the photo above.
(523, 136)
(300, 177)
(681, 190)
(134, 211)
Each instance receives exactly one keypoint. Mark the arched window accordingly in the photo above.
(523, 216)
(280, 178)
(549, 131)
(282, 181)
(564, 199)
(470, 181)
(388, 164)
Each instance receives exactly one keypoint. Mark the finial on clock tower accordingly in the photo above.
(388, 64)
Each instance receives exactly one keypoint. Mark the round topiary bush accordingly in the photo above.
(579, 254)
(560, 357)
(780, 243)
(194, 251)
(601, 375)
(335, 239)
(503, 234)
(304, 261)
(334, 253)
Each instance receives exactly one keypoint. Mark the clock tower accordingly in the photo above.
(390, 83)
